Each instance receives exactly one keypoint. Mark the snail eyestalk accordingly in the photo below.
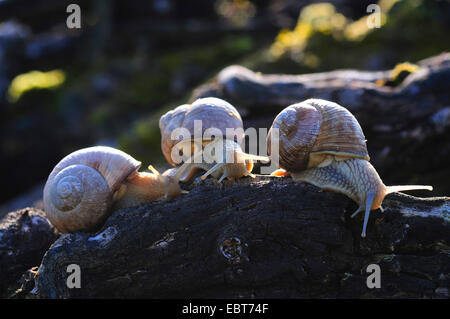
(247, 156)
(401, 188)
(212, 170)
(369, 201)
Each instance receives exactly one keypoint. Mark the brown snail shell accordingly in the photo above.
(79, 190)
(313, 129)
(322, 143)
(213, 112)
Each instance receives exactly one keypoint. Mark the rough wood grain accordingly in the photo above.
(257, 238)
(25, 235)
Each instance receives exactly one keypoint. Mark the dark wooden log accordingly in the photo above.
(25, 235)
(263, 237)
(357, 90)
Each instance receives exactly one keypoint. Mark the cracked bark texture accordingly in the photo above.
(263, 237)
(25, 235)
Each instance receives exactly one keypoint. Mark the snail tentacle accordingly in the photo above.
(212, 170)
(224, 175)
(360, 209)
(369, 200)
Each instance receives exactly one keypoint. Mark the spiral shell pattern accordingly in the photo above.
(313, 129)
(213, 113)
(79, 190)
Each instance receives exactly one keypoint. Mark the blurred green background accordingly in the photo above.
(109, 81)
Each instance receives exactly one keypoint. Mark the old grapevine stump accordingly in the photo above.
(265, 237)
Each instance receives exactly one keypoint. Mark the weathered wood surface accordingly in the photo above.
(261, 238)
(357, 90)
(25, 235)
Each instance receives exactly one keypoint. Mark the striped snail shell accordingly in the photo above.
(80, 189)
(212, 113)
(311, 131)
(322, 143)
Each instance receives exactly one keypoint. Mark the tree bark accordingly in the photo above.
(263, 237)
(25, 235)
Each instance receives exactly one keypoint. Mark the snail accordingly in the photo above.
(221, 157)
(322, 143)
(84, 186)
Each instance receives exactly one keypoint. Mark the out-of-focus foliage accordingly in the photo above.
(35, 80)
(324, 38)
(238, 12)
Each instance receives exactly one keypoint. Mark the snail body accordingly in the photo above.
(322, 143)
(212, 115)
(84, 186)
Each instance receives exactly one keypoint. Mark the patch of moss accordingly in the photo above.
(402, 70)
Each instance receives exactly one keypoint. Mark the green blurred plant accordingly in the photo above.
(25, 82)
(238, 12)
(325, 39)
